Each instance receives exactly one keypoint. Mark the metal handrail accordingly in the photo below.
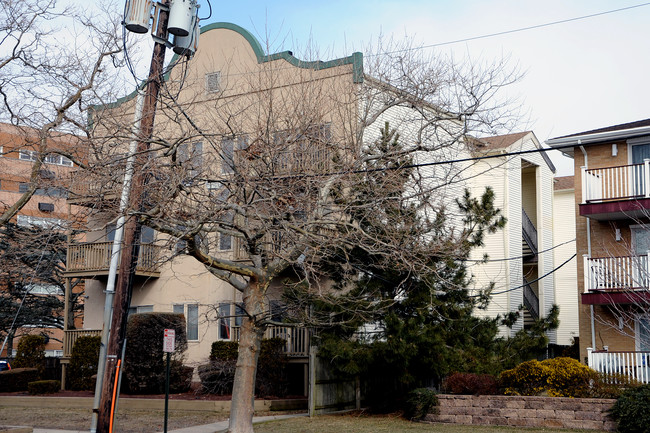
(531, 300)
(529, 231)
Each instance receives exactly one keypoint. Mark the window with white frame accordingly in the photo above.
(43, 289)
(140, 309)
(643, 333)
(191, 313)
(45, 223)
(56, 159)
(50, 158)
(27, 155)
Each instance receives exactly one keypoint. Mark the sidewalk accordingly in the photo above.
(220, 426)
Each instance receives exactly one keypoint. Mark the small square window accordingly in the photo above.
(213, 82)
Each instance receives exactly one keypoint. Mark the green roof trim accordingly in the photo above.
(355, 59)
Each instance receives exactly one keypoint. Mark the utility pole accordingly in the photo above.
(130, 250)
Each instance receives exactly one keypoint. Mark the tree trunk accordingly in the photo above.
(243, 392)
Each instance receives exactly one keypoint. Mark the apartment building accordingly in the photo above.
(520, 256)
(612, 202)
(49, 215)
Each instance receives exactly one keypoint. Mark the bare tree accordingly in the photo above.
(48, 79)
(255, 161)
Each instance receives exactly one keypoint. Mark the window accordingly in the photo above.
(191, 317)
(23, 187)
(193, 322)
(46, 223)
(46, 207)
(147, 234)
(52, 191)
(50, 158)
(239, 314)
(27, 155)
(277, 310)
(225, 240)
(228, 148)
(190, 156)
(141, 309)
(213, 82)
(643, 334)
(43, 289)
(56, 159)
(224, 321)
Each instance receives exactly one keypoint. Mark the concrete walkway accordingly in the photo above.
(220, 426)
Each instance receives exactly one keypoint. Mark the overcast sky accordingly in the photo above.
(580, 75)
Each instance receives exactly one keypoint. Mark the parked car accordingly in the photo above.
(4, 365)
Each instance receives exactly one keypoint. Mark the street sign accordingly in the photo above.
(169, 340)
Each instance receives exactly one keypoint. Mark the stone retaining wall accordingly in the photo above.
(560, 412)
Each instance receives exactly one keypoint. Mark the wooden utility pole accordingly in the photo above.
(130, 249)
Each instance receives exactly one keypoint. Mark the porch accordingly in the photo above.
(619, 192)
(296, 339)
(635, 365)
(94, 258)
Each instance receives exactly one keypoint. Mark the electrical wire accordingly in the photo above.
(208, 17)
(490, 35)
(533, 281)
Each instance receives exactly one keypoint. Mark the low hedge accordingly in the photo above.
(43, 387)
(17, 379)
(471, 384)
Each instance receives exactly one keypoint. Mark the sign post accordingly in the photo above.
(169, 340)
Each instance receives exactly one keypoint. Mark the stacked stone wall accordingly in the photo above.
(550, 412)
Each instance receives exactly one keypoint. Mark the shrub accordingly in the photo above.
(470, 383)
(31, 353)
(223, 350)
(528, 378)
(271, 369)
(43, 387)
(218, 376)
(632, 410)
(560, 377)
(419, 403)
(17, 379)
(83, 363)
(144, 366)
(567, 377)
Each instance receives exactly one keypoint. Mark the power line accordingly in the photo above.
(533, 281)
(505, 32)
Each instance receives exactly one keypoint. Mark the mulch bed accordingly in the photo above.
(190, 395)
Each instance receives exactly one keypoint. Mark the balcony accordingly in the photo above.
(93, 259)
(296, 339)
(633, 364)
(616, 280)
(613, 193)
(71, 335)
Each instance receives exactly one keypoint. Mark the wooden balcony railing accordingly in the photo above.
(296, 338)
(71, 335)
(616, 183)
(616, 273)
(96, 257)
(633, 364)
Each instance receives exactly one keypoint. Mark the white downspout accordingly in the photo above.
(591, 307)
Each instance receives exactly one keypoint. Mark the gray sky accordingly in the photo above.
(579, 75)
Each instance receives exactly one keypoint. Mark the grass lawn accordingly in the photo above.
(378, 424)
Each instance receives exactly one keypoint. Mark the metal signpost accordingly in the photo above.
(168, 347)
